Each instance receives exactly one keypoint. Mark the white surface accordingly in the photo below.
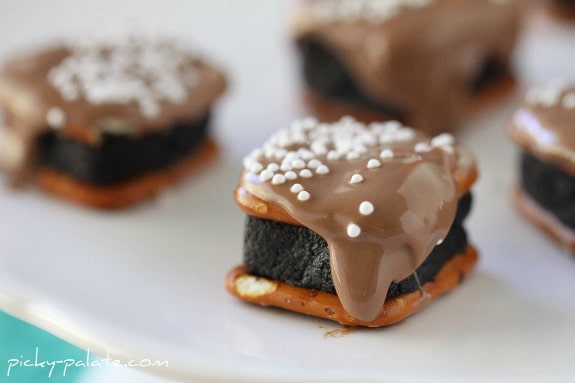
(148, 283)
(122, 375)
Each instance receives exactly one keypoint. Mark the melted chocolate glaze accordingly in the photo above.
(324, 73)
(121, 157)
(550, 186)
(298, 256)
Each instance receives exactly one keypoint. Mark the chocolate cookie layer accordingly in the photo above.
(550, 186)
(298, 256)
(324, 73)
(121, 157)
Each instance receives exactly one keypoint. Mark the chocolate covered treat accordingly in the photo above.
(427, 63)
(107, 123)
(544, 129)
(360, 224)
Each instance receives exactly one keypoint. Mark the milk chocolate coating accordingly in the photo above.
(543, 125)
(298, 256)
(421, 59)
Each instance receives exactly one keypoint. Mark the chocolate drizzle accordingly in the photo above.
(407, 178)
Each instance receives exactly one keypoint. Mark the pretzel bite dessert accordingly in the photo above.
(427, 63)
(544, 128)
(107, 123)
(360, 224)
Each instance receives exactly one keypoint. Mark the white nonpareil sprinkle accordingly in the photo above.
(298, 164)
(147, 72)
(355, 179)
(314, 163)
(405, 134)
(353, 230)
(366, 208)
(273, 167)
(443, 139)
(332, 155)
(278, 179)
(266, 175)
(303, 196)
(421, 147)
(373, 163)
(290, 175)
(322, 169)
(306, 154)
(392, 126)
(361, 148)
(296, 188)
(55, 118)
(309, 123)
(353, 155)
(318, 148)
(386, 154)
(306, 173)
(255, 167)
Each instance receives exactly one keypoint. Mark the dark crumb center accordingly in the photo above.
(566, 2)
(550, 186)
(300, 257)
(492, 71)
(324, 73)
(121, 157)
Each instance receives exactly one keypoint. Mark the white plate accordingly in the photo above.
(148, 283)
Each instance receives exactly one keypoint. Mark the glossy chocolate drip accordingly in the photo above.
(128, 88)
(544, 125)
(381, 196)
(422, 56)
(412, 223)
